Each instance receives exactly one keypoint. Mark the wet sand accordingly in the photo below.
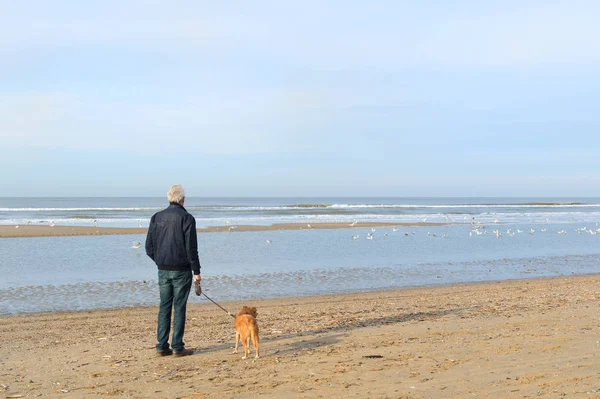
(57, 231)
(511, 339)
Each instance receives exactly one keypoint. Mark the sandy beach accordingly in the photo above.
(511, 339)
(7, 231)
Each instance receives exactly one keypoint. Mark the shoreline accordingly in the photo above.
(318, 297)
(515, 338)
(22, 231)
(314, 297)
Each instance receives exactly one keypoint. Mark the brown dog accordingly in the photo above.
(246, 328)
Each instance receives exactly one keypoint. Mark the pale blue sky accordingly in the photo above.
(306, 98)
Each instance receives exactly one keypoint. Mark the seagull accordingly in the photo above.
(28, 222)
(496, 220)
(369, 237)
(269, 241)
(373, 229)
(309, 226)
(136, 245)
(394, 229)
(543, 230)
(353, 223)
(95, 222)
(531, 231)
(140, 223)
(355, 237)
(519, 231)
(406, 234)
(497, 232)
(52, 223)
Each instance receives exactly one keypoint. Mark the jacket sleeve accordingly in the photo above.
(149, 242)
(191, 243)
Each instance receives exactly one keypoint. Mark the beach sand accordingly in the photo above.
(511, 339)
(56, 231)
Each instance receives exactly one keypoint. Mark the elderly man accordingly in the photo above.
(172, 244)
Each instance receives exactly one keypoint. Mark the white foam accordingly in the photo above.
(302, 207)
(75, 209)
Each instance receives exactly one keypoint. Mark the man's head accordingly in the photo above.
(176, 195)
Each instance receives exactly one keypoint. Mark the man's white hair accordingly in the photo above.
(176, 194)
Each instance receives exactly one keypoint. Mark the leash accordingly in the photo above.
(199, 291)
(226, 311)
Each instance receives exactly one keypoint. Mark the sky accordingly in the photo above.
(300, 98)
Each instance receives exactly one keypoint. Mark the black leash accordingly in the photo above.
(199, 291)
(226, 311)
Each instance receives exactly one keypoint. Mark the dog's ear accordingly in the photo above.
(253, 311)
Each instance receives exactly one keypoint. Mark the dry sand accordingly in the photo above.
(512, 339)
(51, 231)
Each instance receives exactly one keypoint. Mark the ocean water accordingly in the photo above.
(132, 212)
(48, 274)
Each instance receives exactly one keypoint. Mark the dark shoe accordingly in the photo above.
(166, 352)
(185, 352)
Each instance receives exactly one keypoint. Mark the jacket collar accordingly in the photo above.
(176, 205)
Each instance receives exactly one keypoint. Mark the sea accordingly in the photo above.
(480, 239)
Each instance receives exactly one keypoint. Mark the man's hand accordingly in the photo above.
(197, 277)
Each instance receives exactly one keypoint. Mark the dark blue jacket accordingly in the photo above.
(172, 242)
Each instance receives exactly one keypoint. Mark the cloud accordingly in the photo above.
(235, 122)
(555, 34)
(277, 76)
(332, 35)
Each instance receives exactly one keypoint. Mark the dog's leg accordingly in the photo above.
(245, 344)
(254, 335)
(237, 341)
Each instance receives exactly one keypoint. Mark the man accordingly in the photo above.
(173, 245)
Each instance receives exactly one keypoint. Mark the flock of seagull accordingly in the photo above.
(478, 230)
